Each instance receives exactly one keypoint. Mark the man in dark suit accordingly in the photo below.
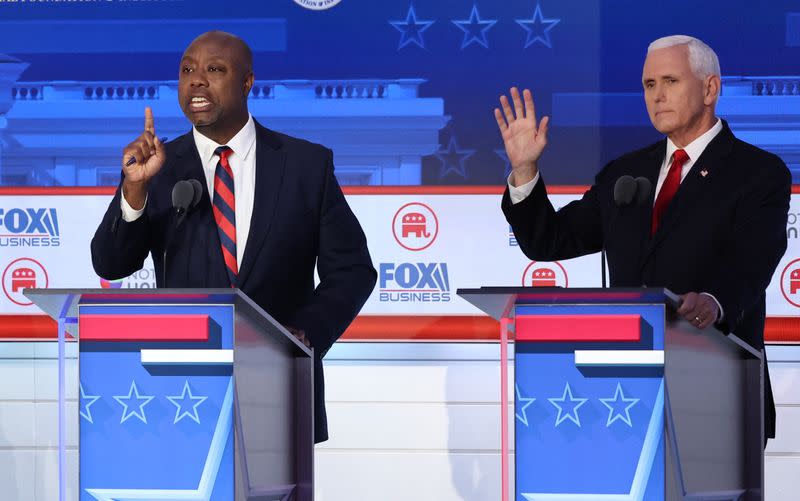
(714, 228)
(271, 208)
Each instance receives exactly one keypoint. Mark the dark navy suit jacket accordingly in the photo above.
(723, 233)
(300, 218)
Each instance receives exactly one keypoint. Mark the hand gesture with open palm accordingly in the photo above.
(523, 138)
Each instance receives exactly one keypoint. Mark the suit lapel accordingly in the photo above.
(652, 168)
(270, 165)
(188, 164)
(692, 187)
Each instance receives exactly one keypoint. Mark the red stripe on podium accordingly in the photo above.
(411, 328)
(572, 328)
(144, 327)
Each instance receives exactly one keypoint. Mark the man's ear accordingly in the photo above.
(248, 83)
(712, 87)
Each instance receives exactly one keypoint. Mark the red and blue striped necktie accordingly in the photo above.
(225, 211)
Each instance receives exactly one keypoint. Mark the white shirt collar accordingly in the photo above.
(696, 147)
(241, 144)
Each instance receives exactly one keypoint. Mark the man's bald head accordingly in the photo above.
(238, 47)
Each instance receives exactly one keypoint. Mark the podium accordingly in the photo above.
(616, 398)
(182, 394)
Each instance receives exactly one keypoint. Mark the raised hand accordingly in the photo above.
(523, 138)
(141, 160)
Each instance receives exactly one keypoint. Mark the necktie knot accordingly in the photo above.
(680, 157)
(223, 152)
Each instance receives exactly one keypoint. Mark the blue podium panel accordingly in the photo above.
(156, 404)
(589, 402)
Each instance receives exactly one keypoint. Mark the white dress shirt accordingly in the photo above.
(243, 165)
(693, 149)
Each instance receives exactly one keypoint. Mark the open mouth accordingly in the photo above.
(199, 104)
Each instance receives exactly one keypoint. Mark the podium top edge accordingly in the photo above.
(499, 301)
(554, 295)
(139, 295)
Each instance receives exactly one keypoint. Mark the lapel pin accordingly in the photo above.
(704, 173)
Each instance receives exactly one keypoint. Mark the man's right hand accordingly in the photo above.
(141, 160)
(523, 139)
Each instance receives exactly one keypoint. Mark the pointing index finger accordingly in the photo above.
(149, 126)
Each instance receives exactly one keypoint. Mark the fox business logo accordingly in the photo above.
(414, 283)
(29, 228)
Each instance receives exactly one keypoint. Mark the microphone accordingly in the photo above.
(643, 189)
(185, 197)
(182, 196)
(627, 191)
(198, 192)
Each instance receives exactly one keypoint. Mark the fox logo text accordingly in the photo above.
(29, 228)
(414, 283)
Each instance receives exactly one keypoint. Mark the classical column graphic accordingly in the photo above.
(10, 70)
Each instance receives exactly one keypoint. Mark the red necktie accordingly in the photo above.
(225, 211)
(669, 188)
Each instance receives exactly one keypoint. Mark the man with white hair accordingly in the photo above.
(713, 229)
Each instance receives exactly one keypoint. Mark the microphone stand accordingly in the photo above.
(181, 216)
(603, 266)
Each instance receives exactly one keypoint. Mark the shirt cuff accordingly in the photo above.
(520, 193)
(129, 214)
(721, 312)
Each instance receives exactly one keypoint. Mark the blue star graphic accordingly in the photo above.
(568, 401)
(507, 163)
(474, 28)
(141, 399)
(538, 28)
(180, 401)
(525, 403)
(86, 402)
(647, 457)
(453, 159)
(613, 410)
(411, 29)
(205, 486)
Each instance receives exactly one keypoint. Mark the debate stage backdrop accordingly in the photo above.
(401, 91)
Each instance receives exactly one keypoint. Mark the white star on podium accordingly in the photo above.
(526, 402)
(142, 399)
(85, 412)
(618, 415)
(568, 399)
(178, 400)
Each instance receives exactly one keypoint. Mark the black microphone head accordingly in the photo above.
(624, 191)
(198, 191)
(643, 189)
(182, 196)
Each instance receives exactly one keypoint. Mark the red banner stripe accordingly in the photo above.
(106, 327)
(386, 328)
(575, 328)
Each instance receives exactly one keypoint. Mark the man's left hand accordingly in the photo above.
(699, 310)
(300, 334)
